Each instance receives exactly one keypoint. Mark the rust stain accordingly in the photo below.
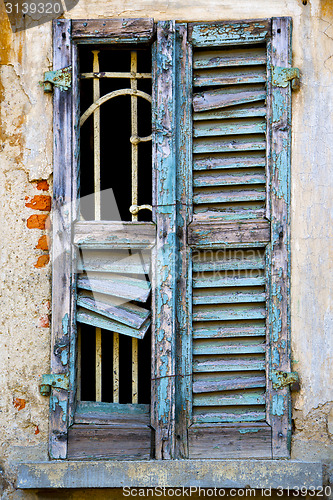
(43, 243)
(42, 185)
(37, 221)
(5, 36)
(42, 261)
(326, 9)
(18, 403)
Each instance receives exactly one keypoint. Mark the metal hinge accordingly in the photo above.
(282, 76)
(55, 380)
(61, 78)
(282, 379)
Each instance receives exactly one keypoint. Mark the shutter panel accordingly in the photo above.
(230, 239)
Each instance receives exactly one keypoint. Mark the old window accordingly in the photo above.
(210, 260)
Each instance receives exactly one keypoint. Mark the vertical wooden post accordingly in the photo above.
(279, 404)
(164, 278)
(98, 365)
(63, 275)
(135, 371)
(115, 367)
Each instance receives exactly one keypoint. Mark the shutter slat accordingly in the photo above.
(93, 319)
(218, 161)
(114, 261)
(211, 382)
(218, 280)
(120, 286)
(224, 260)
(223, 296)
(243, 399)
(254, 414)
(220, 346)
(222, 98)
(256, 109)
(229, 57)
(229, 76)
(255, 142)
(218, 195)
(226, 330)
(228, 178)
(222, 312)
(113, 308)
(208, 128)
(224, 364)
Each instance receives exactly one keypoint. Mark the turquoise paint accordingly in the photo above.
(64, 357)
(276, 322)
(278, 407)
(276, 357)
(278, 105)
(247, 431)
(54, 403)
(65, 324)
(164, 401)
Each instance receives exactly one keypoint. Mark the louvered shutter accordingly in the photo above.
(237, 176)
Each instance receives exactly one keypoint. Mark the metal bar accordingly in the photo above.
(97, 145)
(134, 132)
(115, 75)
(98, 364)
(135, 371)
(115, 367)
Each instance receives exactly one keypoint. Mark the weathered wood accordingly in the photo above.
(115, 415)
(238, 415)
(62, 275)
(236, 160)
(246, 56)
(228, 127)
(103, 441)
(278, 267)
(243, 398)
(203, 235)
(114, 261)
(222, 98)
(229, 143)
(221, 346)
(229, 296)
(211, 382)
(243, 111)
(91, 318)
(213, 34)
(219, 330)
(229, 76)
(228, 312)
(225, 259)
(229, 212)
(244, 440)
(164, 272)
(223, 364)
(118, 235)
(234, 194)
(113, 308)
(229, 178)
(116, 284)
(114, 30)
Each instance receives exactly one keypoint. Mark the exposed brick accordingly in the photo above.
(42, 185)
(18, 403)
(37, 221)
(39, 202)
(37, 429)
(44, 321)
(43, 243)
(42, 261)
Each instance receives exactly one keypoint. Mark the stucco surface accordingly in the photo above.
(26, 156)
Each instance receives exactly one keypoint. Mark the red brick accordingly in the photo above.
(37, 429)
(37, 221)
(39, 202)
(42, 185)
(18, 403)
(43, 243)
(42, 261)
(44, 321)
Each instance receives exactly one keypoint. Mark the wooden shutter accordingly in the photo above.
(240, 195)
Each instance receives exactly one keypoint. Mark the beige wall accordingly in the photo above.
(26, 157)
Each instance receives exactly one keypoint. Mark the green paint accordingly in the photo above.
(247, 431)
(278, 407)
(65, 324)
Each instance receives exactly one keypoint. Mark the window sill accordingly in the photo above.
(200, 473)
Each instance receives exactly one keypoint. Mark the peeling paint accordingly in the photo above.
(278, 403)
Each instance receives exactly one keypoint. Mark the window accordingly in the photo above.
(217, 240)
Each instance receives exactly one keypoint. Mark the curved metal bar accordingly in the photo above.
(136, 140)
(110, 95)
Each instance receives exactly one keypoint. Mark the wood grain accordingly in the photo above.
(114, 30)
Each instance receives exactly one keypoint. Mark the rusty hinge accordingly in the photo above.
(61, 78)
(282, 76)
(55, 380)
(282, 379)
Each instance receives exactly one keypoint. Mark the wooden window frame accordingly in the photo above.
(171, 394)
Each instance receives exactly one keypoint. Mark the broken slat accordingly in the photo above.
(231, 296)
(120, 286)
(230, 143)
(249, 110)
(244, 399)
(229, 76)
(91, 318)
(220, 346)
(218, 161)
(114, 261)
(225, 364)
(222, 98)
(223, 330)
(211, 382)
(218, 195)
(229, 57)
(229, 127)
(233, 312)
(113, 308)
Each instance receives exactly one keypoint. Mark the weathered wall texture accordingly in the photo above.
(26, 157)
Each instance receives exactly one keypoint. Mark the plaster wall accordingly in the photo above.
(26, 157)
